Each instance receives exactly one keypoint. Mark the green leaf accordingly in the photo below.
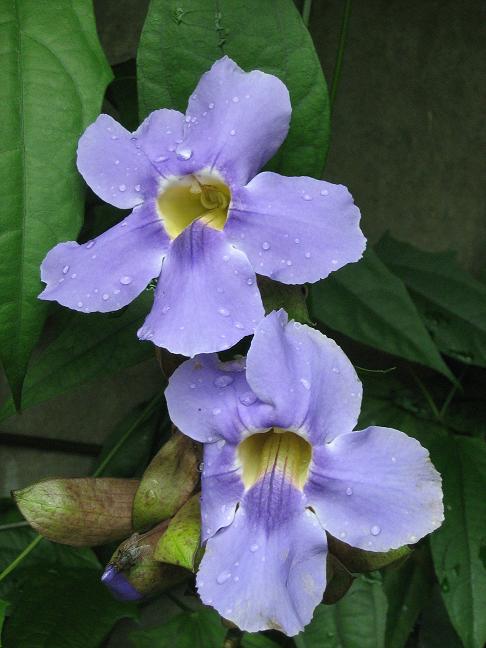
(407, 589)
(459, 546)
(356, 621)
(366, 302)
(67, 608)
(190, 36)
(200, 629)
(3, 610)
(90, 346)
(255, 640)
(52, 80)
(359, 560)
(436, 630)
(276, 295)
(180, 543)
(452, 302)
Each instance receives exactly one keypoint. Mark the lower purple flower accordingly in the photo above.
(282, 466)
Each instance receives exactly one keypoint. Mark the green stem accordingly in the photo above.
(149, 409)
(451, 394)
(13, 525)
(306, 11)
(340, 53)
(20, 557)
(427, 396)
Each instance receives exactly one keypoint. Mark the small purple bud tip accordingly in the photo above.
(119, 586)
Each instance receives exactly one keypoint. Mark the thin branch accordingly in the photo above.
(340, 53)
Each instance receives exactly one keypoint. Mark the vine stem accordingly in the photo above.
(340, 53)
(306, 11)
(149, 409)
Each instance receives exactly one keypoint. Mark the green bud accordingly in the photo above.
(79, 512)
(167, 483)
(359, 560)
(180, 544)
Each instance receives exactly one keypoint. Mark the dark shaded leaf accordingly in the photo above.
(200, 629)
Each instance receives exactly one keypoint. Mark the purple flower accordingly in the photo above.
(202, 222)
(282, 464)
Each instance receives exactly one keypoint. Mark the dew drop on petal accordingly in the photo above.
(349, 491)
(239, 325)
(74, 275)
(137, 187)
(249, 281)
(305, 383)
(122, 187)
(216, 411)
(80, 304)
(266, 245)
(324, 192)
(223, 381)
(223, 577)
(161, 158)
(220, 445)
(253, 548)
(125, 280)
(335, 370)
(248, 398)
(211, 106)
(165, 310)
(184, 154)
(375, 530)
(236, 99)
(224, 312)
(90, 244)
(117, 162)
(232, 131)
(65, 270)
(105, 297)
(306, 197)
(307, 255)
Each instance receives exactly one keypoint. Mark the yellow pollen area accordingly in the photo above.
(278, 449)
(193, 197)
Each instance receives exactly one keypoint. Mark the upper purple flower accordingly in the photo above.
(282, 465)
(202, 222)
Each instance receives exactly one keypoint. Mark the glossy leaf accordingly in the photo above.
(52, 83)
(459, 546)
(451, 301)
(63, 608)
(191, 37)
(359, 560)
(276, 295)
(90, 346)
(200, 629)
(435, 629)
(368, 303)
(356, 621)
(254, 640)
(3, 610)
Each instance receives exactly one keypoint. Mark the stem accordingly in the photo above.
(306, 11)
(13, 525)
(451, 394)
(427, 396)
(20, 557)
(340, 53)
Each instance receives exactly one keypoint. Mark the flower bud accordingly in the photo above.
(79, 512)
(167, 482)
(180, 544)
(133, 572)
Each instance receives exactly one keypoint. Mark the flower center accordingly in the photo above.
(199, 196)
(286, 452)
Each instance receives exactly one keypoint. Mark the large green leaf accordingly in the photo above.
(451, 301)
(3, 611)
(436, 630)
(200, 629)
(356, 621)
(368, 303)
(257, 641)
(407, 590)
(52, 79)
(459, 547)
(89, 346)
(66, 608)
(181, 41)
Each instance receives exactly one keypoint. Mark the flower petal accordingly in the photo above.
(115, 169)
(295, 230)
(267, 570)
(375, 489)
(221, 487)
(158, 136)
(236, 121)
(210, 400)
(305, 376)
(108, 272)
(206, 299)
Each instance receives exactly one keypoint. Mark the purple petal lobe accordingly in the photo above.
(109, 271)
(204, 301)
(209, 400)
(295, 230)
(305, 376)
(268, 568)
(158, 136)
(375, 489)
(120, 587)
(112, 165)
(235, 121)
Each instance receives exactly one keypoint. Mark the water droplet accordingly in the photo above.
(114, 137)
(188, 118)
(297, 240)
(334, 261)
(394, 459)
(105, 297)
(306, 197)
(349, 491)
(117, 162)
(161, 158)
(249, 281)
(125, 280)
(239, 325)
(80, 303)
(305, 383)
(223, 381)
(289, 262)
(216, 411)
(223, 577)
(236, 579)
(266, 245)
(375, 530)
(74, 275)
(184, 154)
(335, 370)
(220, 444)
(232, 131)
(253, 548)
(342, 534)
(122, 187)
(65, 270)
(211, 106)
(307, 255)
(165, 309)
(201, 466)
(137, 187)
(248, 398)
(224, 312)
(236, 99)
(90, 244)
(226, 258)
(192, 385)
